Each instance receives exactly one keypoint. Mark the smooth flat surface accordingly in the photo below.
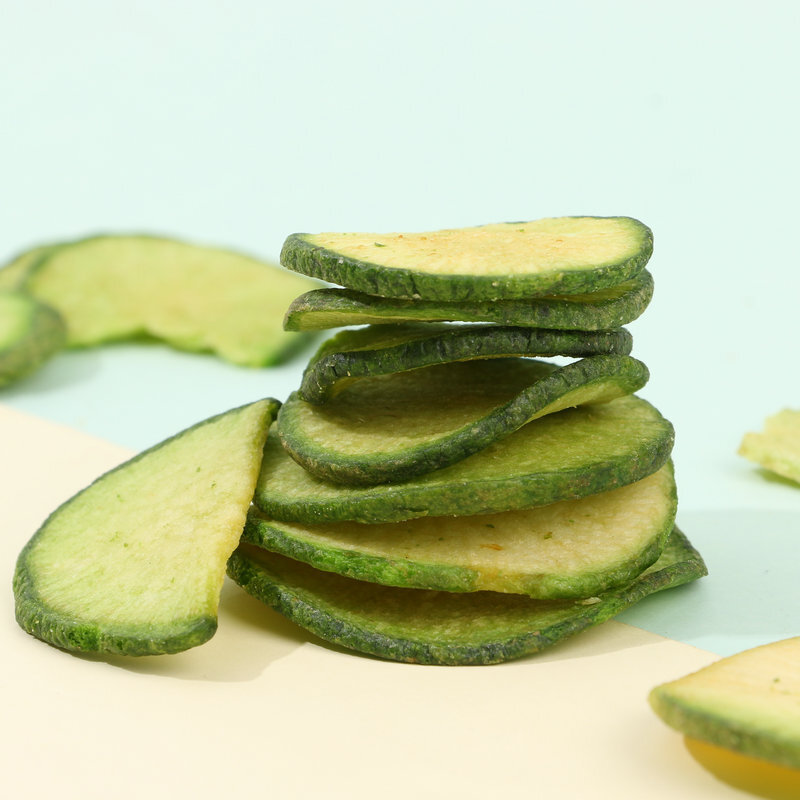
(262, 699)
(239, 125)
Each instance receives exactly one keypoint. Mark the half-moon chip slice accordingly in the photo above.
(601, 310)
(384, 349)
(558, 255)
(574, 453)
(571, 549)
(389, 428)
(430, 627)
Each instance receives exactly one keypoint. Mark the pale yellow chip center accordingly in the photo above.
(541, 246)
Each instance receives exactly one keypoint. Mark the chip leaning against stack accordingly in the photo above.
(434, 492)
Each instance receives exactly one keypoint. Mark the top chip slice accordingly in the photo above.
(513, 260)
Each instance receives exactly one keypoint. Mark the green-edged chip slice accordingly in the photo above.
(14, 273)
(574, 453)
(389, 428)
(571, 549)
(384, 349)
(430, 627)
(777, 447)
(134, 563)
(601, 310)
(748, 703)
(194, 298)
(511, 260)
(30, 332)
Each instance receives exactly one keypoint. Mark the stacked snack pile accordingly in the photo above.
(435, 492)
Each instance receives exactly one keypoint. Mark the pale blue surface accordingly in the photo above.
(750, 596)
(136, 395)
(239, 123)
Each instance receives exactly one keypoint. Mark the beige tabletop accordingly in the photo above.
(265, 708)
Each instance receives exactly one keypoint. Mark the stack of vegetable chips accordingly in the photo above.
(435, 491)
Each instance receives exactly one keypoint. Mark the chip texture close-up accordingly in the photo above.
(575, 453)
(385, 349)
(557, 255)
(134, 563)
(603, 309)
(390, 428)
(574, 548)
(748, 702)
(431, 627)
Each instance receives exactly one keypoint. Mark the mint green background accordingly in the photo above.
(239, 123)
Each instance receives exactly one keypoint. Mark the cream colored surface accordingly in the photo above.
(249, 713)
